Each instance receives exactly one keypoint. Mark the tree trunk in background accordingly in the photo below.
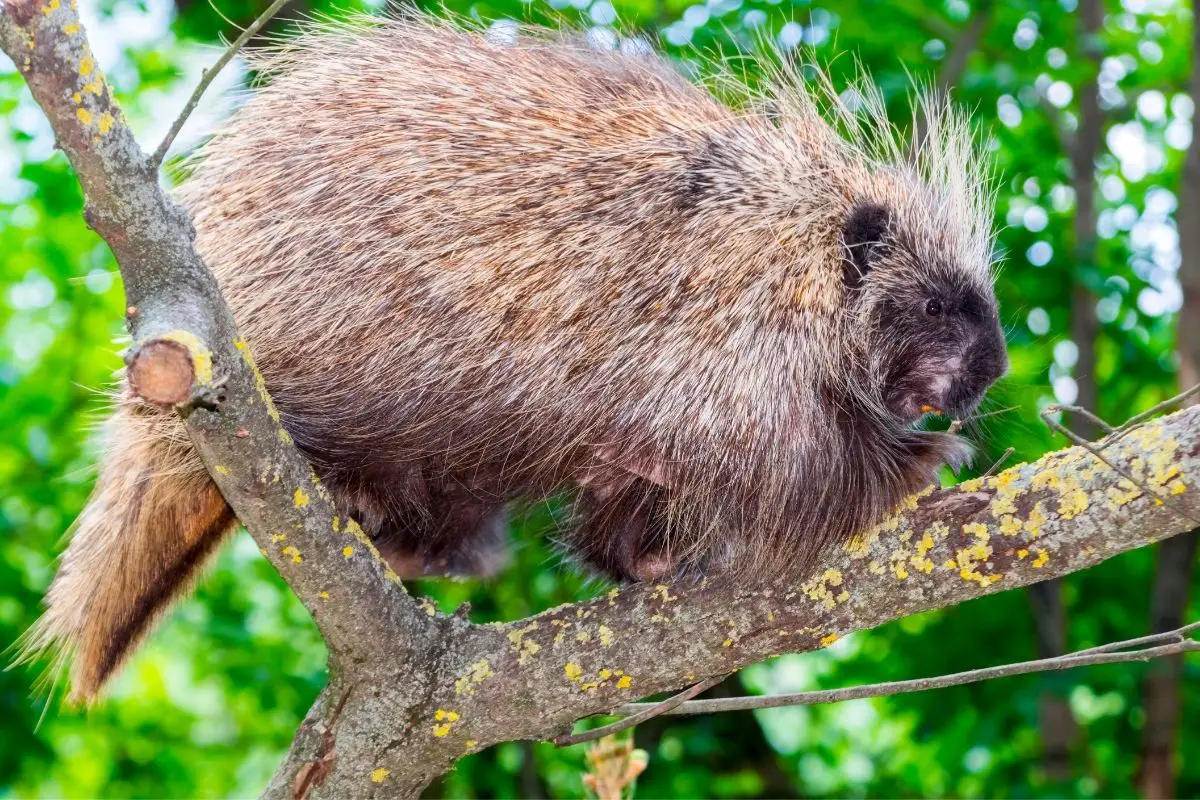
(1160, 691)
(1173, 573)
(776, 782)
(1057, 723)
(964, 45)
(1086, 147)
(1055, 720)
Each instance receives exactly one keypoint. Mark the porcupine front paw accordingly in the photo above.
(478, 549)
(927, 451)
(622, 534)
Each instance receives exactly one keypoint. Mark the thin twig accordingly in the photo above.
(1166, 637)
(1054, 425)
(957, 425)
(1008, 451)
(645, 711)
(1170, 402)
(993, 413)
(207, 78)
(1091, 656)
(1083, 412)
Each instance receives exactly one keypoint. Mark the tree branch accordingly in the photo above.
(640, 712)
(1029, 523)
(1097, 451)
(207, 78)
(1175, 644)
(411, 691)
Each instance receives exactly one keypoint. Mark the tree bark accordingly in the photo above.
(1056, 721)
(1175, 560)
(410, 691)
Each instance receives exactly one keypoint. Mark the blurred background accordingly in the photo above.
(1086, 110)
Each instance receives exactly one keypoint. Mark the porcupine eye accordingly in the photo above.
(863, 235)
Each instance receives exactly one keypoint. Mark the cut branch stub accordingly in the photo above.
(164, 370)
(161, 373)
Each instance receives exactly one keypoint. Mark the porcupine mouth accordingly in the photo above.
(917, 411)
(913, 408)
(920, 395)
(911, 403)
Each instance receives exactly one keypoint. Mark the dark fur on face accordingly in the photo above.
(937, 339)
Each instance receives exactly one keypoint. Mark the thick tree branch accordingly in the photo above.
(1031, 522)
(411, 691)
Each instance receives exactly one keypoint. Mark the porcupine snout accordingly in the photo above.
(968, 377)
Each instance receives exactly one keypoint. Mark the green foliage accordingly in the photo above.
(210, 705)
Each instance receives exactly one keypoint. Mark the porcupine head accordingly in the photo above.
(499, 271)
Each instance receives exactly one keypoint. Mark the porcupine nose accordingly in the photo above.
(989, 361)
(985, 363)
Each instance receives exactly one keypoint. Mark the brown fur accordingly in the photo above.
(151, 523)
(473, 272)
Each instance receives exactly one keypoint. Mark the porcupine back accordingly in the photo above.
(475, 269)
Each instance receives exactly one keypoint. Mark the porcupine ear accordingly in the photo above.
(863, 234)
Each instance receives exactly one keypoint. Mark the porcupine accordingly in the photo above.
(473, 271)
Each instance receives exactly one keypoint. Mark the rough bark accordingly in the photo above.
(1175, 560)
(410, 691)
(1056, 721)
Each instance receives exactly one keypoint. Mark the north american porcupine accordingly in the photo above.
(473, 271)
